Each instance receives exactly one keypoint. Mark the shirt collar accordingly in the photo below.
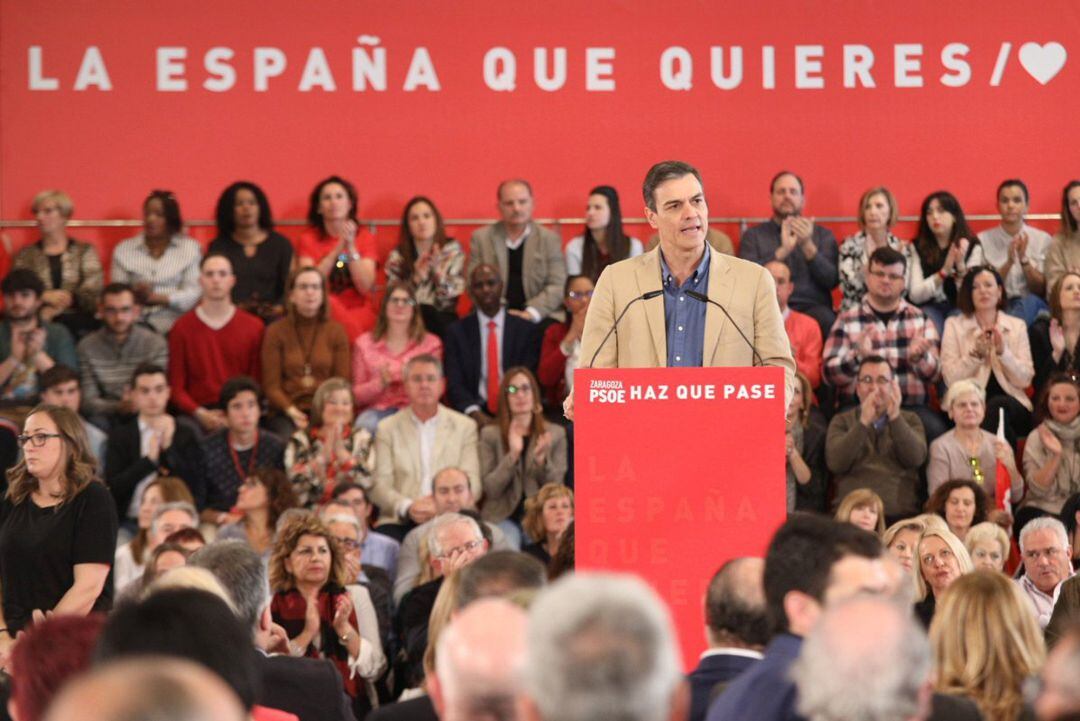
(699, 272)
(498, 317)
(429, 423)
(732, 651)
(173, 242)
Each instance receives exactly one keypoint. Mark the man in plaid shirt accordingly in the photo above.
(886, 325)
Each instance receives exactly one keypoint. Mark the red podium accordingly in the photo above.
(677, 470)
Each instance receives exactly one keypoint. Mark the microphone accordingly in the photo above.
(706, 299)
(644, 296)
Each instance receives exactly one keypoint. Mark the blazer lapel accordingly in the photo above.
(441, 432)
(721, 286)
(648, 278)
(502, 255)
(412, 447)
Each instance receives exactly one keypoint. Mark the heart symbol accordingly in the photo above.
(1042, 62)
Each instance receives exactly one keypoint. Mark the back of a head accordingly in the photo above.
(147, 689)
(601, 646)
(185, 623)
(498, 573)
(735, 604)
(241, 571)
(48, 655)
(866, 659)
(801, 556)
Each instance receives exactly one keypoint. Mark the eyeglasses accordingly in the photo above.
(977, 474)
(521, 388)
(37, 439)
(465, 548)
(887, 276)
(401, 301)
(307, 286)
(878, 380)
(579, 294)
(349, 544)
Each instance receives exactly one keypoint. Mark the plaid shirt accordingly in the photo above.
(842, 353)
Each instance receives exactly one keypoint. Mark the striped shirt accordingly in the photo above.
(106, 366)
(175, 275)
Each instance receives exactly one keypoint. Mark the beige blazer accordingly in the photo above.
(1013, 369)
(507, 482)
(543, 267)
(745, 289)
(397, 457)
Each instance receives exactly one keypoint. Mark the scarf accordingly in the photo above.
(288, 609)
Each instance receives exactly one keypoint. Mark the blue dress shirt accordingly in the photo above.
(684, 316)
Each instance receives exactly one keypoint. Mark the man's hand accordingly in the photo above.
(870, 407)
(893, 400)
(422, 510)
(211, 419)
(524, 315)
(918, 348)
(788, 239)
(568, 408)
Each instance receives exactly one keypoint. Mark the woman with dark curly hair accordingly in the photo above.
(263, 497)
(57, 526)
(962, 503)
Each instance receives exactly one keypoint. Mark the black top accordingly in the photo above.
(220, 473)
(515, 289)
(1042, 354)
(262, 277)
(538, 552)
(125, 465)
(39, 548)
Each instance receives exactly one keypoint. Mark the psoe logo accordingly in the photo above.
(602, 391)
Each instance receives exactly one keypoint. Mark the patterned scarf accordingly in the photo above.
(288, 609)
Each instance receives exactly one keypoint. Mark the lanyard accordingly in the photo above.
(251, 461)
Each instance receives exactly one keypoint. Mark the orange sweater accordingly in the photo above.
(283, 352)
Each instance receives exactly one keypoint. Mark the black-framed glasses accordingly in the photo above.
(37, 439)
(401, 301)
(349, 544)
(513, 389)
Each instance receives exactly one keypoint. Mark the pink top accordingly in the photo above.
(370, 355)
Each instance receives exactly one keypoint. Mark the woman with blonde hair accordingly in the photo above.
(805, 451)
(863, 508)
(942, 559)
(989, 546)
(877, 214)
(901, 539)
(547, 516)
(986, 644)
(57, 526)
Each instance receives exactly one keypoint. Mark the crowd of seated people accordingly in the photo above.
(332, 412)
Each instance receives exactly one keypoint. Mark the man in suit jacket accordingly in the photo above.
(310, 688)
(673, 328)
(529, 258)
(417, 442)
(737, 629)
(467, 373)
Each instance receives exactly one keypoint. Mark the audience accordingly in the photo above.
(1044, 547)
(990, 348)
(901, 539)
(302, 350)
(486, 339)
(430, 262)
(877, 445)
(962, 503)
(519, 453)
(603, 241)
(109, 355)
(1051, 454)
(803, 331)
(942, 560)
(989, 546)
(343, 251)
(210, 344)
(129, 562)
(51, 653)
(547, 516)
(57, 527)
(29, 344)
(863, 509)
(161, 264)
(380, 355)
(263, 496)
(261, 257)
(165, 557)
(234, 453)
(878, 212)
(986, 645)
(528, 257)
(330, 450)
(1064, 252)
(150, 445)
(69, 270)
(807, 248)
(376, 549)
(945, 248)
(807, 475)
(60, 387)
(736, 629)
(414, 444)
(561, 348)
(969, 451)
(1018, 252)
(1055, 341)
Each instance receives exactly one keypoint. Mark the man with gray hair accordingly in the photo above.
(737, 628)
(310, 688)
(867, 659)
(479, 663)
(601, 646)
(1044, 546)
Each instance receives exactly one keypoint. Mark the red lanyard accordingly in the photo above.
(236, 458)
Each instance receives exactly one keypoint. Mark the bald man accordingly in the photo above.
(479, 662)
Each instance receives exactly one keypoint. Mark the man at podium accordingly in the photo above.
(682, 303)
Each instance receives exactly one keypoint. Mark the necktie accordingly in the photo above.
(492, 368)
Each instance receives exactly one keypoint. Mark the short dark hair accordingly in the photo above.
(147, 369)
(1069, 509)
(801, 556)
(728, 612)
(885, 256)
(21, 279)
(498, 573)
(216, 254)
(663, 172)
(782, 173)
(940, 497)
(56, 375)
(1014, 183)
(875, 359)
(185, 623)
(235, 386)
(225, 213)
(170, 209)
(117, 289)
(964, 297)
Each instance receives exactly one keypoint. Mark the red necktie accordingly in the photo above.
(492, 368)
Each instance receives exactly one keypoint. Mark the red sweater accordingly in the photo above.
(201, 359)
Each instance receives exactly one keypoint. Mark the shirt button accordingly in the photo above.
(678, 357)
(680, 327)
(682, 298)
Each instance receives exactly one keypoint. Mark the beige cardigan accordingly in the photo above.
(1013, 369)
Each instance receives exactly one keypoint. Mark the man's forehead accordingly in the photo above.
(450, 481)
(1042, 537)
(856, 574)
(684, 187)
(875, 369)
